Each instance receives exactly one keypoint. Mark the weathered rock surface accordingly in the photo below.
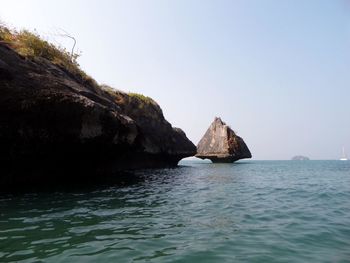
(220, 144)
(54, 125)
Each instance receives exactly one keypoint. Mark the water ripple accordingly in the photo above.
(250, 212)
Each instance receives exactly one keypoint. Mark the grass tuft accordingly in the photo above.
(32, 45)
(142, 98)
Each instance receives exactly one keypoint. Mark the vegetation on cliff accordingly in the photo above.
(142, 98)
(55, 127)
(31, 45)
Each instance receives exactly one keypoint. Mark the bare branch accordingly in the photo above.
(66, 34)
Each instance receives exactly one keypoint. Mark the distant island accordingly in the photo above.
(300, 158)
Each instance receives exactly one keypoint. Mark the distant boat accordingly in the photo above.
(344, 157)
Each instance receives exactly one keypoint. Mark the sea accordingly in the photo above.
(248, 211)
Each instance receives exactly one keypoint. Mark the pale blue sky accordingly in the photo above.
(276, 71)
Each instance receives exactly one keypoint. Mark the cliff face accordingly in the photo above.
(52, 122)
(221, 144)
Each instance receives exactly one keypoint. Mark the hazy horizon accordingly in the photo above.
(277, 72)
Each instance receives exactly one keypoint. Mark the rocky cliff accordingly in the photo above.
(54, 124)
(221, 144)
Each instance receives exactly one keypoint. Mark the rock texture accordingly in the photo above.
(220, 144)
(55, 125)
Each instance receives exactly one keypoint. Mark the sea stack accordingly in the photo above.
(220, 144)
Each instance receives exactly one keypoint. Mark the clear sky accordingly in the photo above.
(276, 71)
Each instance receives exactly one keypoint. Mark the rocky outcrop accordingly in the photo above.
(55, 124)
(220, 144)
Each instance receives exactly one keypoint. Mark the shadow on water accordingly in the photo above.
(112, 215)
(89, 182)
(209, 164)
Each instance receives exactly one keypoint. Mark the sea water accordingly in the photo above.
(249, 211)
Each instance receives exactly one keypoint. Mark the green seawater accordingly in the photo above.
(250, 211)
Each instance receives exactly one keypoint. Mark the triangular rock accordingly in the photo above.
(220, 144)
